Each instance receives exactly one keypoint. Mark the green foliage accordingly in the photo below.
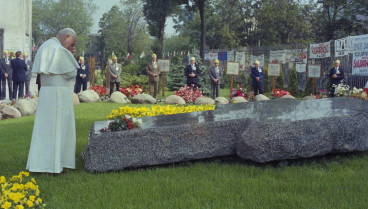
(178, 44)
(176, 77)
(308, 89)
(50, 16)
(100, 78)
(249, 83)
(293, 83)
(279, 83)
(128, 79)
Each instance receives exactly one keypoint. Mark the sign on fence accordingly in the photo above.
(240, 57)
(341, 47)
(360, 64)
(321, 50)
(301, 67)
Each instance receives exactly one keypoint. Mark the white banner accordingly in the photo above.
(231, 55)
(341, 47)
(260, 58)
(296, 55)
(240, 57)
(321, 50)
(360, 43)
(210, 56)
(301, 67)
(360, 64)
(278, 56)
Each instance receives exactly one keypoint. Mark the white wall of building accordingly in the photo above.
(16, 20)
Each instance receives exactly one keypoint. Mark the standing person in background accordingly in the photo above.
(192, 72)
(2, 71)
(153, 72)
(257, 74)
(115, 71)
(19, 75)
(82, 76)
(336, 77)
(7, 77)
(28, 73)
(216, 74)
(53, 144)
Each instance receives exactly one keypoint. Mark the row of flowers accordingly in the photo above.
(19, 192)
(126, 118)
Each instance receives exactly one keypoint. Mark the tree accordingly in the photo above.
(340, 18)
(156, 12)
(50, 16)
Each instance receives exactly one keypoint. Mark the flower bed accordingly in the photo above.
(188, 94)
(277, 93)
(240, 92)
(359, 94)
(100, 90)
(132, 90)
(20, 191)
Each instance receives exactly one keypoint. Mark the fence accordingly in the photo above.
(326, 64)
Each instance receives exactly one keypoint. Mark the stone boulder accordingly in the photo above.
(75, 99)
(118, 97)
(204, 101)
(309, 98)
(221, 100)
(1, 116)
(9, 112)
(238, 100)
(26, 106)
(143, 99)
(174, 99)
(261, 97)
(88, 96)
(287, 97)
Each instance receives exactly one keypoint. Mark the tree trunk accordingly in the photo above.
(201, 4)
(161, 33)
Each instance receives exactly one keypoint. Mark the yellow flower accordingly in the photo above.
(32, 198)
(6, 205)
(39, 200)
(2, 179)
(33, 180)
(19, 207)
(29, 203)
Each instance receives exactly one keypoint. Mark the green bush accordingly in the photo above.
(127, 79)
(249, 85)
(293, 83)
(266, 80)
(279, 83)
(308, 87)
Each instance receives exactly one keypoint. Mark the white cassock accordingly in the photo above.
(53, 142)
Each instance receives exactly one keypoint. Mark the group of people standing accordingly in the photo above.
(15, 74)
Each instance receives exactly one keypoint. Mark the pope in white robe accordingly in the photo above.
(53, 142)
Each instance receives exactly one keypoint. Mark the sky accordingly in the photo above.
(104, 6)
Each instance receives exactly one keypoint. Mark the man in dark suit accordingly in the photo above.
(28, 73)
(257, 74)
(336, 77)
(216, 74)
(2, 70)
(192, 72)
(19, 75)
(7, 77)
(82, 77)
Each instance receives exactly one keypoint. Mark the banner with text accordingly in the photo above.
(341, 47)
(278, 57)
(296, 55)
(210, 56)
(240, 57)
(360, 43)
(231, 55)
(260, 58)
(360, 63)
(321, 50)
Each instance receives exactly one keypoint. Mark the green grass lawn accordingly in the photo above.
(333, 182)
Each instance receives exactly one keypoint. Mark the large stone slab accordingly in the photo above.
(306, 129)
(260, 131)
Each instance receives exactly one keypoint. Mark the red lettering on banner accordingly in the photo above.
(321, 49)
(360, 63)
